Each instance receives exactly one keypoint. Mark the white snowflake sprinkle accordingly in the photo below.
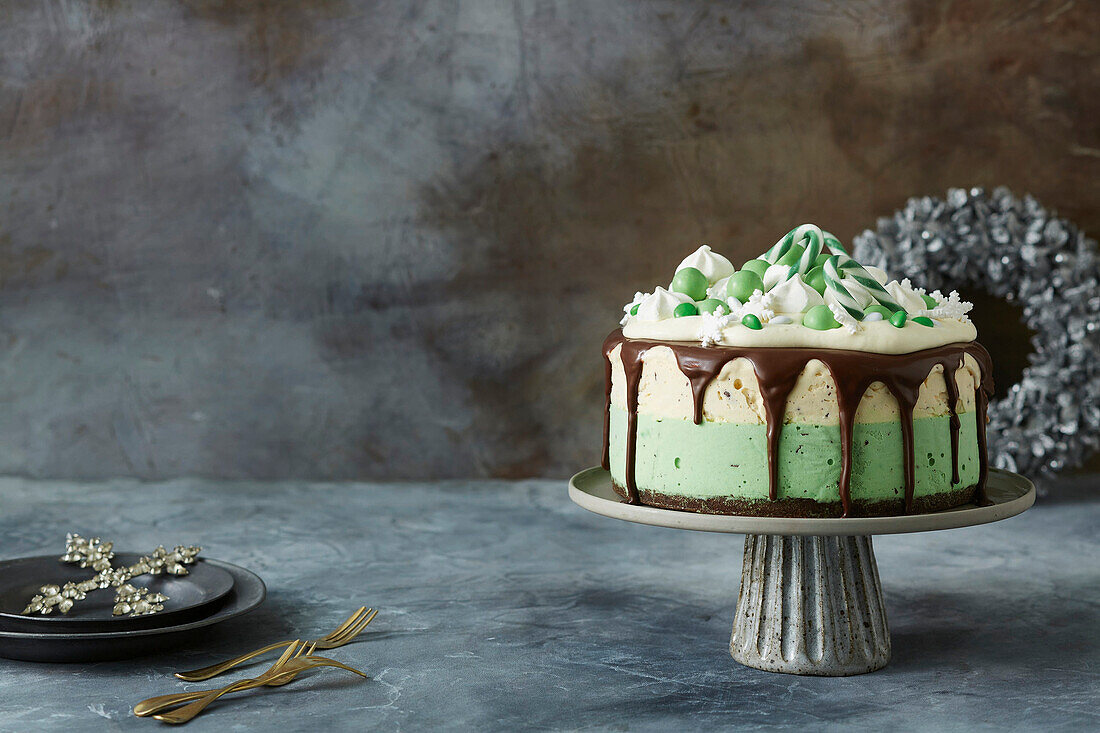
(953, 306)
(638, 298)
(905, 284)
(760, 305)
(710, 332)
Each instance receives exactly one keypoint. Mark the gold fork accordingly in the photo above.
(290, 670)
(273, 677)
(344, 633)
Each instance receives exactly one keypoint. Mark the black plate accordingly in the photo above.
(190, 596)
(248, 593)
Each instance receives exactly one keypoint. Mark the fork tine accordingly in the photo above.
(283, 676)
(326, 662)
(366, 620)
(313, 663)
(350, 620)
(292, 669)
(350, 633)
(214, 670)
(355, 630)
(293, 650)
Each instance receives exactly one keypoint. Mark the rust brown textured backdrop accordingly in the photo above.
(336, 239)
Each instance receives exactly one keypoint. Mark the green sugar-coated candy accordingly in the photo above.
(815, 278)
(924, 321)
(819, 318)
(794, 254)
(743, 284)
(751, 321)
(691, 282)
(876, 308)
(929, 301)
(710, 305)
(634, 311)
(898, 319)
(821, 260)
(685, 309)
(757, 266)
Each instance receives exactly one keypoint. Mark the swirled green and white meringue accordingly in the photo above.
(870, 312)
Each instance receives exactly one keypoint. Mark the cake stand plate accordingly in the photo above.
(810, 601)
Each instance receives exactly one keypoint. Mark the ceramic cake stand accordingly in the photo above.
(810, 600)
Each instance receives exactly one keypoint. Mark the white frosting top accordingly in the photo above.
(879, 337)
(773, 317)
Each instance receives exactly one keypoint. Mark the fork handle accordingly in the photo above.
(198, 675)
(187, 712)
(146, 708)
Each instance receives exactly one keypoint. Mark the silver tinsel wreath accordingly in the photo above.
(1017, 250)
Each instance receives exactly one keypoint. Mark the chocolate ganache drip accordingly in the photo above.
(777, 370)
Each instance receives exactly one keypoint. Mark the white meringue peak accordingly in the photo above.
(794, 296)
(713, 265)
(660, 305)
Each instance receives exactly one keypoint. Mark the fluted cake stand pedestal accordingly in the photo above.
(810, 600)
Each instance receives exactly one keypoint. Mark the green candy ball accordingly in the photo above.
(634, 311)
(685, 309)
(815, 278)
(751, 321)
(690, 282)
(929, 301)
(757, 266)
(821, 260)
(898, 319)
(743, 284)
(819, 318)
(876, 308)
(794, 254)
(924, 321)
(710, 305)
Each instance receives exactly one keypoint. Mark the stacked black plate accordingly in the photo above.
(212, 592)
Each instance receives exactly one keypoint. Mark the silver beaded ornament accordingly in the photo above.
(1015, 249)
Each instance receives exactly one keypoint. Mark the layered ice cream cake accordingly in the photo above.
(802, 384)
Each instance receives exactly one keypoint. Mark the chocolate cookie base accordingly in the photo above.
(800, 507)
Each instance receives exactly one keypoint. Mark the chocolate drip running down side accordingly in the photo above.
(777, 370)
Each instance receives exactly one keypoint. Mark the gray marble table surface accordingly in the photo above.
(505, 607)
